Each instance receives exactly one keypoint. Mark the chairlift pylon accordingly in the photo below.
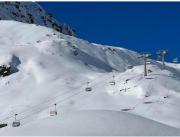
(53, 112)
(162, 54)
(16, 123)
(145, 56)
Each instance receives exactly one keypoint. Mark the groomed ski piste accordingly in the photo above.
(49, 68)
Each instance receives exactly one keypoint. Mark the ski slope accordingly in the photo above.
(101, 123)
(49, 67)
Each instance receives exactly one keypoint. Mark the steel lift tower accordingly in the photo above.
(162, 54)
(145, 56)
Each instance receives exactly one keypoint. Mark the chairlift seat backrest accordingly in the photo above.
(88, 89)
(16, 124)
(53, 113)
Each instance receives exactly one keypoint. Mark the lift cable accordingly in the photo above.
(57, 102)
(31, 108)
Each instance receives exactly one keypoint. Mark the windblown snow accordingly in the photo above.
(48, 67)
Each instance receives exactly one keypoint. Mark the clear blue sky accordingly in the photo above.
(137, 26)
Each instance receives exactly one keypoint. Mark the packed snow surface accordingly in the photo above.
(49, 67)
(94, 123)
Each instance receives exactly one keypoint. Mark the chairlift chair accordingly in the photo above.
(175, 60)
(112, 82)
(130, 67)
(148, 62)
(53, 112)
(16, 123)
(88, 89)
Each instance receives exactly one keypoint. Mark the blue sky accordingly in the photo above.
(137, 26)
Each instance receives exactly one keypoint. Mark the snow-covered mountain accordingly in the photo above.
(33, 13)
(48, 67)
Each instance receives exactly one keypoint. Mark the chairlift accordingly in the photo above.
(175, 60)
(148, 62)
(130, 67)
(53, 112)
(147, 94)
(16, 123)
(112, 82)
(88, 89)
(126, 81)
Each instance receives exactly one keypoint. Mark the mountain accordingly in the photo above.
(32, 13)
(46, 67)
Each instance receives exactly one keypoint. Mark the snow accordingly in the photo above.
(50, 67)
(99, 123)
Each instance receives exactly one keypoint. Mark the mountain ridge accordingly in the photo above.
(32, 13)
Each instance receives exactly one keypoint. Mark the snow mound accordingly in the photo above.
(99, 123)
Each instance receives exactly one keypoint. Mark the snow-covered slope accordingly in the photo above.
(101, 123)
(33, 13)
(48, 67)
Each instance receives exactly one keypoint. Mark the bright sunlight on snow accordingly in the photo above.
(95, 89)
